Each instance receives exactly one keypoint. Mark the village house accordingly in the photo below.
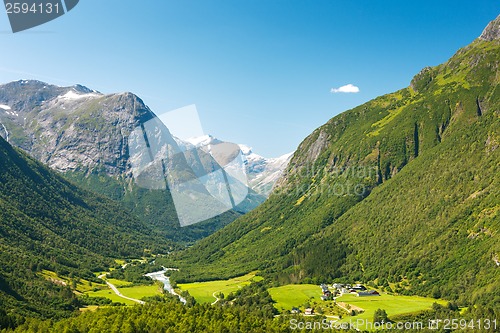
(308, 312)
(368, 293)
(357, 289)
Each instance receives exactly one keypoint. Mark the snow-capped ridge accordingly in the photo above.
(262, 172)
(72, 95)
(85, 90)
(203, 140)
(246, 150)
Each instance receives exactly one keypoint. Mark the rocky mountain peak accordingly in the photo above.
(71, 128)
(492, 30)
(76, 128)
(84, 90)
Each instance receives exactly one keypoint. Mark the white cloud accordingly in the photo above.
(348, 88)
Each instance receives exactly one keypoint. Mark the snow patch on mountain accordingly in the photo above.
(262, 172)
(203, 140)
(44, 109)
(8, 110)
(6, 132)
(73, 95)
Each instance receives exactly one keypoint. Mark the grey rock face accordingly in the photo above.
(492, 30)
(71, 128)
(80, 129)
(85, 134)
(262, 172)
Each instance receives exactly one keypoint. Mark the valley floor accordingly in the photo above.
(292, 298)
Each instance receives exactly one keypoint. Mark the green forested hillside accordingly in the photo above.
(154, 208)
(48, 223)
(402, 191)
(250, 310)
(86, 139)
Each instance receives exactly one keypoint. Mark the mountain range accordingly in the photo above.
(67, 137)
(401, 192)
(48, 223)
(262, 172)
(84, 134)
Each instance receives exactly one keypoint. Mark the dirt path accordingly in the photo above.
(352, 307)
(117, 292)
(216, 298)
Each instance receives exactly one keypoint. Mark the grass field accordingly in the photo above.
(120, 261)
(119, 283)
(124, 287)
(393, 305)
(108, 293)
(203, 291)
(82, 286)
(139, 292)
(294, 295)
(52, 276)
(90, 308)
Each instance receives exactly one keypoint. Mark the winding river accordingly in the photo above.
(160, 276)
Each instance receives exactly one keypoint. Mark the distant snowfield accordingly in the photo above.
(6, 132)
(262, 172)
(5, 107)
(71, 95)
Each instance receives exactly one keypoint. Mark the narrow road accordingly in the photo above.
(216, 298)
(117, 292)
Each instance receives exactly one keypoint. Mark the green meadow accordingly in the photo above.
(294, 295)
(126, 289)
(108, 293)
(119, 283)
(139, 292)
(203, 292)
(81, 286)
(393, 305)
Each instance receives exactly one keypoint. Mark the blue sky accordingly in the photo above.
(259, 71)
